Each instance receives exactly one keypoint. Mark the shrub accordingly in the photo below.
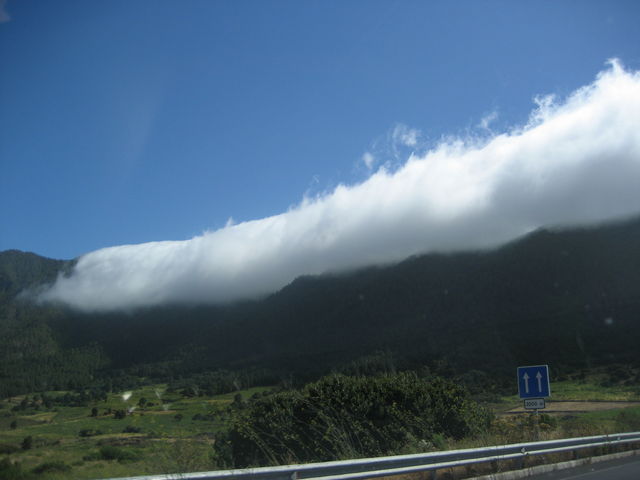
(132, 429)
(52, 467)
(548, 422)
(110, 452)
(7, 448)
(628, 420)
(27, 443)
(10, 470)
(185, 455)
(89, 432)
(340, 416)
(92, 457)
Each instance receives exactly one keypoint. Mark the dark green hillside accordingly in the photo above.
(32, 357)
(568, 298)
(21, 270)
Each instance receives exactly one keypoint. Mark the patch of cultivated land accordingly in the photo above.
(568, 406)
(144, 431)
(592, 393)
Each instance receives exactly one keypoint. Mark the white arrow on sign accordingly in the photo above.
(539, 377)
(526, 382)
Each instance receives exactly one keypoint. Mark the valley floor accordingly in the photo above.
(153, 431)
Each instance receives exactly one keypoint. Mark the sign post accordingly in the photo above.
(533, 388)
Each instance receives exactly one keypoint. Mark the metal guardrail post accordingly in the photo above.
(521, 462)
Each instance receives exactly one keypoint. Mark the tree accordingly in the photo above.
(94, 412)
(27, 443)
(237, 401)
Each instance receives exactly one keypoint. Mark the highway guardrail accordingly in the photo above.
(363, 468)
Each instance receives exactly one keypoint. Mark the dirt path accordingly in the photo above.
(568, 406)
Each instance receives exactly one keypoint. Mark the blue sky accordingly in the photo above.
(125, 122)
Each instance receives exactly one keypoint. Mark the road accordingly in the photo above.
(622, 469)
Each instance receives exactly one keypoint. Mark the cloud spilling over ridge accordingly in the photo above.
(576, 161)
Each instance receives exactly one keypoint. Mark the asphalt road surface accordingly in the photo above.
(622, 469)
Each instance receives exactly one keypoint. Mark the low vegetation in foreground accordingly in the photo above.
(155, 429)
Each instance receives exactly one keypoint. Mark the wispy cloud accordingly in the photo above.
(368, 159)
(487, 120)
(391, 150)
(4, 15)
(576, 161)
(405, 136)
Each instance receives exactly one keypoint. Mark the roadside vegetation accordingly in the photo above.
(162, 429)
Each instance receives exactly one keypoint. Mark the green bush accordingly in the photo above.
(92, 457)
(110, 452)
(7, 448)
(10, 470)
(52, 467)
(132, 429)
(548, 422)
(185, 455)
(346, 417)
(628, 420)
(27, 443)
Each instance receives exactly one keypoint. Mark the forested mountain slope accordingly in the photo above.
(567, 297)
(570, 298)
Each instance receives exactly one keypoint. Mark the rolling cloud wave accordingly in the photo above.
(576, 161)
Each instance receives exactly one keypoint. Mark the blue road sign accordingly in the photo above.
(533, 381)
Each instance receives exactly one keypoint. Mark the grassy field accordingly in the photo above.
(170, 434)
(592, 389)
(595, 387)
(167, 432)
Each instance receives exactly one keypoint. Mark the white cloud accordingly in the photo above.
(576, 161)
